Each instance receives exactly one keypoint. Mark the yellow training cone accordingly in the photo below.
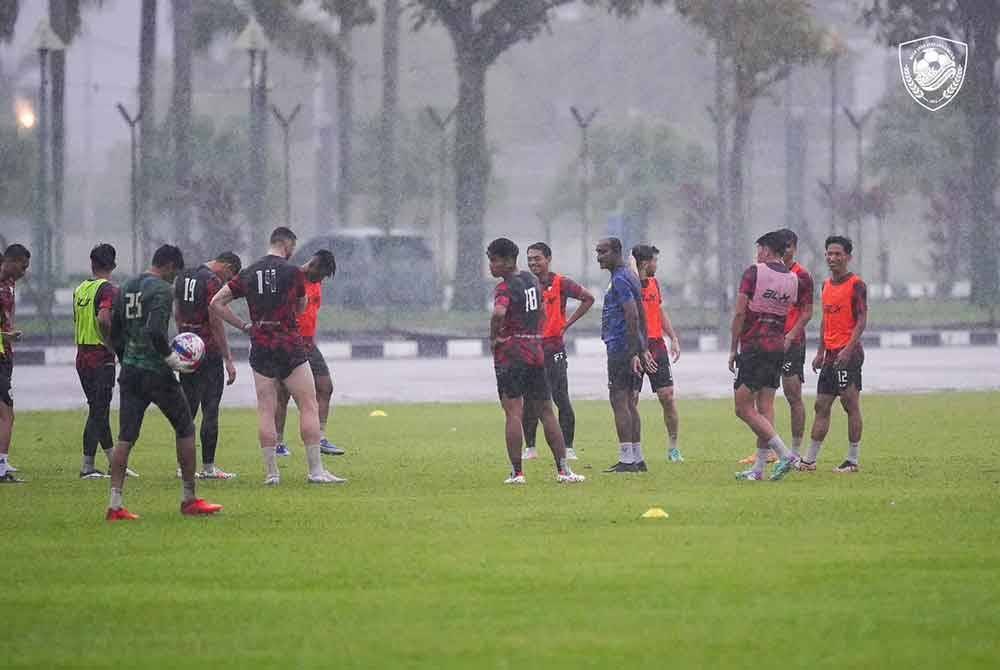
(378, 412)
(655, 513)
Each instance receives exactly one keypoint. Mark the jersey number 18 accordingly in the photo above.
(531, 299)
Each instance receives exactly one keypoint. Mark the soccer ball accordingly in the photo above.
(189, 348)
(932, 68)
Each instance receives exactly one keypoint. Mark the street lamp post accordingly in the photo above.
(442, 127)
(286, 124)
(254, 42)
(858, 121)
(133, 185)
(583, 122)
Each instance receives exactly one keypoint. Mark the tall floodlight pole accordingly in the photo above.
(254, 42)
(834, 49)
(583, 123)
(133, 185)
(286, 125)
(858, 123)
(442, 127)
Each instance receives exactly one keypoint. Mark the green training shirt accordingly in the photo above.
(142, 311)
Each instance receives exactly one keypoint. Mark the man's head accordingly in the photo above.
(320, 266)
(168, 261)
(503, 256)
(539, 257)
(838, 253)
(283, 242)
(228, 264)
(609, 253)
(102, 258)
(16, 259)
(770, 247)
(645, 256)
(791, 245)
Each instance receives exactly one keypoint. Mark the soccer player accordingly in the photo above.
(194, 289)
(93, 301)
(840, 355)
(556, 289)
(139, 323)
(275, 293)
(623, 330)
(793, 367)
(658, 324)
(319, 267)
(767, 290)
(518, 360)
(13, 266)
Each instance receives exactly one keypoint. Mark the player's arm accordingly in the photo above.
(821, 351)
(116, 341)
(11, 334)
(496, 322)
(668, 328)
(739, 317)
(218, 328)
(586, 299)
(859, 306)
(805, 306)
(220, 307)
(635, 327)
(104, 315)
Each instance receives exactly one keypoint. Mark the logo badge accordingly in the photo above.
(933, 69)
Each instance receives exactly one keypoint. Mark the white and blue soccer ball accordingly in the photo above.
(189, 347)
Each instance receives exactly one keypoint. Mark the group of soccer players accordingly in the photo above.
(768, 349)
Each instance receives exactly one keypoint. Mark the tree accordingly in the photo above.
(180, 113)
(976, 22)
(147, 124)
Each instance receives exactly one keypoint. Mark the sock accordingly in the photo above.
(187, 491)
(796, 445)
(561, 465)
(673, 441)
(637, 452)
(854, 452)
(779, 447)
(3, 459)
(116, 499)
(107, 454)
(625, 452)
(515, 467)
(314, 459)
(761, 462)
(814, 447)
(270, 461)
(88, 463)
(208, 468)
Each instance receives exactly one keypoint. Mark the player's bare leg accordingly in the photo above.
(529, 424)
(792, 387)
(267, 434)
(670, 419)
(324, 391)
(117, 470)
(636, 433)
(821, 426)
(302, 387)
(850, 398)
(555, 439)
(746, 405)
(513, 410)
(6, 431)
(281, 411)
(621, 408)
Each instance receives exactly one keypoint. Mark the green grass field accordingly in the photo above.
(425, 560)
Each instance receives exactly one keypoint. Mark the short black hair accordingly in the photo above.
(16, 252)
(774, 241)
(541, 246)
(842, 241)
(616, 244)
(103, 256)
(230, 260)
(502, 248)
(791, 239)
(282, 234)
(326, 262)
(644, 252)
(168, 254)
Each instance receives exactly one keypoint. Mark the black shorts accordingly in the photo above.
(317, 363)
(759, 369)
(98, 385)
(620, 374)
(557, 370)
(6, 377)
(204, 386)
(834, 381)
(277, 363)
(794, 364)
(138, 388)
(662, 378)
(522, 381)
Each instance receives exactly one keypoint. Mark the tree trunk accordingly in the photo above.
(722, 236)
(345, 129)
(147, 125)
(388, 182)
(472, 173)
(181, 112)
(59, 18)
(983, 110)
(739, 249)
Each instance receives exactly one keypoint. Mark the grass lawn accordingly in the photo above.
(425, 560)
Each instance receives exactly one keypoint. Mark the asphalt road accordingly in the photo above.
(375, 382)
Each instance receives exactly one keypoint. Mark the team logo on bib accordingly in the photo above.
(933, 69)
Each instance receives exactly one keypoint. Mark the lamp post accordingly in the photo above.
(286, 124)
(45, 41)
(133, 185)
(583, 122)
(858, 121)
(442, 127)
(254, 42)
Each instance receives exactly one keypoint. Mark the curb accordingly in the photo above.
(582, 346)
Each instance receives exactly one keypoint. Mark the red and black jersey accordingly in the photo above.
(96, 356)
(521, 341)
(194, 289)
(272, 287)
(7, 308)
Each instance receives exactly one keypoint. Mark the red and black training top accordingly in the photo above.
(521, 295)
(272, 287)
(194, 289)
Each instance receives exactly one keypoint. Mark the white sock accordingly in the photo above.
(625, 452)
(314, 459)
(270, 461)
(208, 468)
(673, 441)
(88, 463)
(796, 445)
(814, 447)
(761, 462)
(637, 452)
(107, 454)
(117, 500)
(854, 452)
(779, 447)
